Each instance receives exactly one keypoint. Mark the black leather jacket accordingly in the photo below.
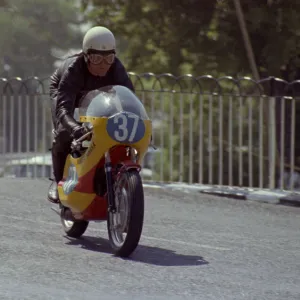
(72, 79)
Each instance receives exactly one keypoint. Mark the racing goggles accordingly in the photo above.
(96, 58)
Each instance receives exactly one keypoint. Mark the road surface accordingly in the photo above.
(194, 246)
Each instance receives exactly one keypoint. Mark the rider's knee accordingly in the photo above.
(61, 141)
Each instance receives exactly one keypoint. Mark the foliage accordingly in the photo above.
(30, 33)
(200, 36)
(204, 37)
(178, 37)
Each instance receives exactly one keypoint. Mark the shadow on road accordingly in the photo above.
(144, 254)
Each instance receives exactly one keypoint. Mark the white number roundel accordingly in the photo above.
(125, 127)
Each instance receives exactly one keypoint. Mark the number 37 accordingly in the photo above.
(125, 132)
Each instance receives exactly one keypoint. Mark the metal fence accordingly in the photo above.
(222, 131)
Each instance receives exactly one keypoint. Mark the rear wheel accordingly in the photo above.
(125, 226)
(73, 228)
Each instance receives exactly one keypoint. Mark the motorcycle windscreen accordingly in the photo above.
(110, 100)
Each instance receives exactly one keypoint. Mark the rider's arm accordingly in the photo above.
(70, 85)
(54, 82)
(121, 77)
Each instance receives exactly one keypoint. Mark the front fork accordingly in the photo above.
(109, 177)
(109, 183)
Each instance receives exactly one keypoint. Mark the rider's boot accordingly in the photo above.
(58, 162)
(53, 192)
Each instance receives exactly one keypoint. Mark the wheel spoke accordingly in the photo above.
(120, 218)
(125, 228)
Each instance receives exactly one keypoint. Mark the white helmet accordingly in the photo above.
(100, 39)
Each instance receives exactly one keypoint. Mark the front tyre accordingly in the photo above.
(125, 226)
(73, 228)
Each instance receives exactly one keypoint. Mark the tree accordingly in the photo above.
(200, 36)
(30, 37)
(156, 35)
(30, 34)
(273, 28)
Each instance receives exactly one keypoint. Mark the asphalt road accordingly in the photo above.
(193, 247)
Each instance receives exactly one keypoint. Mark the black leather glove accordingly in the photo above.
(76, 130)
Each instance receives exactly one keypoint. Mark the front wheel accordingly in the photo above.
(125, 226)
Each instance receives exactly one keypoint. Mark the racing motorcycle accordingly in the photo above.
(102, 180)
